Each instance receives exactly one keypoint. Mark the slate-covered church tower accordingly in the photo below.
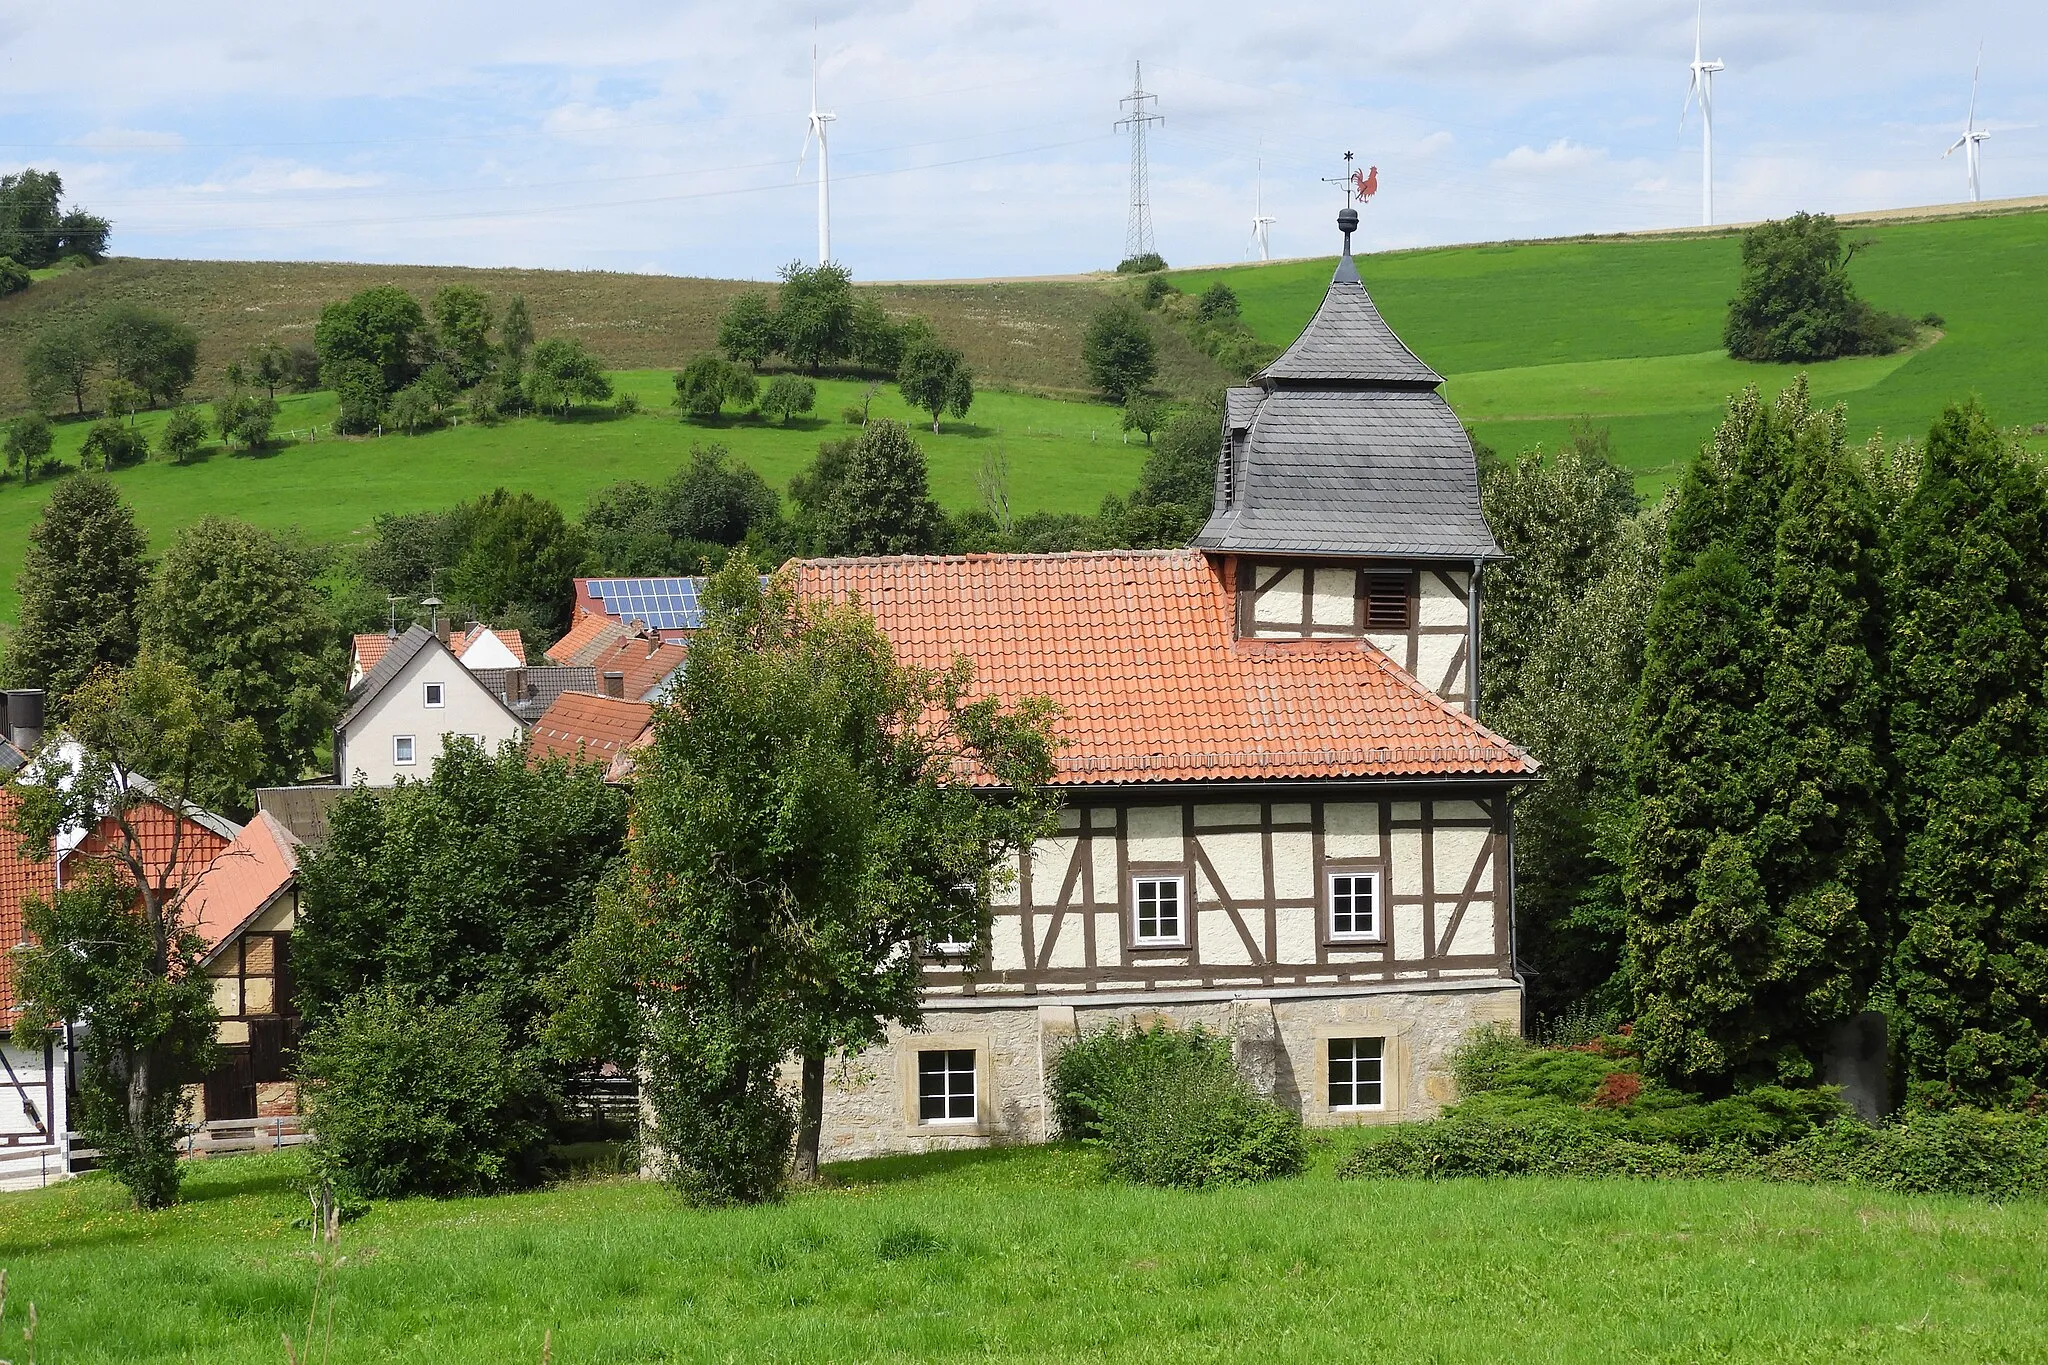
(1347, 497)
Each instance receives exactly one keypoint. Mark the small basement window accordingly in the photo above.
(945, 1086)
(435, 695)
(1355, 905)
(1160, 920)
(402, 749)
(1389, 601)
(1357, 1073)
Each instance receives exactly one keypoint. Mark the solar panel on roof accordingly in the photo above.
(662, 603)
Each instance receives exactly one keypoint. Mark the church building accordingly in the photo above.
(1282, 818)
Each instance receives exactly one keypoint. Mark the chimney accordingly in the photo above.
(442, 628)
(515, 686)
(25, 718)
(615, 685)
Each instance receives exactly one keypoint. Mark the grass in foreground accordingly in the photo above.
(1027, 1255)
(1063, 457)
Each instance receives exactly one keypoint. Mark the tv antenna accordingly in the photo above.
(816, 129)
(1138, 236)
(1702, 87)
(1972, 134)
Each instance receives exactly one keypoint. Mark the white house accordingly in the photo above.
(399, 717)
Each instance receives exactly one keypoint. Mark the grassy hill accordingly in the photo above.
(1627, 331)
(1532, 336)
(1027, 1254)
(1062, 457)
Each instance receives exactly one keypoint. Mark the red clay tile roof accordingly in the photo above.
(369, 649)
(643, 664)
(595, 728)
(589, 636)
(19, 879)
(459, 643)
(241, 880)
(1139, 651)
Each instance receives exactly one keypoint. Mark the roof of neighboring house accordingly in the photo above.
(205, 835)
(369, 648)
(535, 688)
(461, 642)
(671, 605)
(400, 654)
(644, 665)
(590, 634)
(1139, 651)
(585, 725)
(241, 881)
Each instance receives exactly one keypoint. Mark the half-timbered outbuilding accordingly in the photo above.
(1282, 818)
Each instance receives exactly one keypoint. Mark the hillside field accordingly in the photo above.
(1627, 331)
(1026, 1254)
(1062, 456)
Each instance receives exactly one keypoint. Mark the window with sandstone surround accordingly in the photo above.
(1357, 1073)
(945, 1086)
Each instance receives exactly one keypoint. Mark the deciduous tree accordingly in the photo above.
(115, 947)
(870, 495)
(81, 584)
(562, 372)
(814, 314)
(462, 326)
(788, 395)
(29, 439)
(746, 332)
(59, 362)
(154, 352)
(378, 327)
(1796, 303)
(238, 607)
(1118, 349)
(518, 552)
(935, 378)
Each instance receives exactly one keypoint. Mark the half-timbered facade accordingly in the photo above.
(1282, 818)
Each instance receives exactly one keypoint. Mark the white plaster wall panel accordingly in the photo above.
(1282, 601)
(1226, 813)
(1102, 817)
(1294, 866)
(1476, 931)
(1049, 859)
(1438, 605)
(1334, 599)
(1407, 810)
(1395, 647)
(1457, 852)
(1008, 884)
(1351, 829)
(1154, 834)
(1221, 943)
(1290, 813)
(1109, 938)
(1295, 932)
(1006, 943)
(1240, 863)
(1406, 942)
(1459, 810)
(1404, 862)
(1070, 949)
(1070, 817)
(1433, 664)
(1102, 863)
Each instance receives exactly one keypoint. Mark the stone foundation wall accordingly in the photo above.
(1281, 1043)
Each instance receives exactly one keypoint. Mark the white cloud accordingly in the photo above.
(1563, 155)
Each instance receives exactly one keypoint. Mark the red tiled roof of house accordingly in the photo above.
(369, 649)
(590, 635)
(196, 848)
(582, 724)
(242, 879)
(459, 643)
(642, 663)
(1139, 651)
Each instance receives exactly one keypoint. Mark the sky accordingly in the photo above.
(976, 139)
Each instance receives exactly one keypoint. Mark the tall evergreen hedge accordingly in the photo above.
(1755, 877)
(1970, 737)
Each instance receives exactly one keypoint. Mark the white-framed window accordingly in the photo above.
(945, 1086)
(1158, 912)
(1357, 1073)
(402, 749)
(477, 740)
(435, 694)
(1355, 907)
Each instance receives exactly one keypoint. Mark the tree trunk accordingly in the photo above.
(810, 1121)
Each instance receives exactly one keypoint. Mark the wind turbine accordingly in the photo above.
(817, 130)
(1261, 222)
(1972, 134)
(1703, 87)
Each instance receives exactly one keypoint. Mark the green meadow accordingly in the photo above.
(1026, 1254)
(1627, 331)
(1061, 456)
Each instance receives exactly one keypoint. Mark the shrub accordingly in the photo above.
(13, 278)
(1155, 290)
(854, 415)
(1143, 263)
(1963, 1151)
(1218, 301)
(410, 1097)
(1172, 1110)
(112, 444)
(787, 395)
(183, 436)
(626, 404)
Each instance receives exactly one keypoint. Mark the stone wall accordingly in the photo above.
(1281, 1044)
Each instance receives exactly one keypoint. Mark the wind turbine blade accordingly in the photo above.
(1974, 74)
(802, 157)
(1690, 91)
(1953, 146)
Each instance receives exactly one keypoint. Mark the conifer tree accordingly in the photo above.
(1756, 852)
(1970, 738)
(81, 579)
